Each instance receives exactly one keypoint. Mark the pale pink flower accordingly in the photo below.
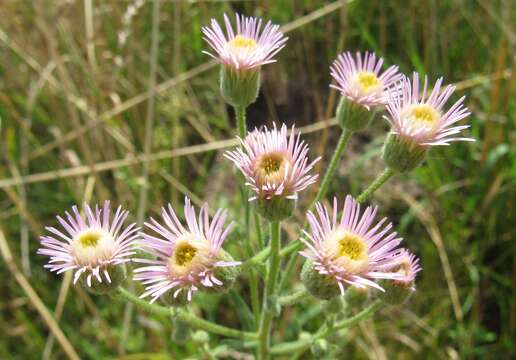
(248, 47)
(274, 163)
(421, 118)
(90, 245)
(355, 251)
(361, 80)
(407, 267)
(186, 256)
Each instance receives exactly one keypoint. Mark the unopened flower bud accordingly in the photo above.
(275, 209)
(402, 155)
(319, 285)
(356, 297)
(334, 306)
(304, 336)
(396, 293)
(353, 116)
(320, 348)
(116, 275)
(226, 274)
(239, 87)
(201, 337)
(176, 298)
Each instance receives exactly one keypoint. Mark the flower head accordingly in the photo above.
(407, 268)
(91, 245)
(353, 251)
(359, 80)
(421, 118)
(187, 258)
(274, 164)
(248, 47)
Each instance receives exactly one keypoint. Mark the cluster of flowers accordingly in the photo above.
(350, 250)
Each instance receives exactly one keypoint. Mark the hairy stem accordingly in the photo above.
(379, 181)
(186, 317)
(270, 287)
(240, 119)
(299, 345)
(293, 298)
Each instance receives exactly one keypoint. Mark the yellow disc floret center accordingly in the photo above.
(191, 253)
(347, 250)
(352, 247)
(89, 238)
(368, 80)
(184, 254)
(367, 83)
(242, 42)
(92, 247)
(270, 168)
(424, 114)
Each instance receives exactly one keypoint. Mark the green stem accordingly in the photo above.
(293, 298)
(291, 263)
(296, 245)
(298, 345)
(270, 286)
(258, 225)
(255, 295)
(364, 314)
(241, 123)
(264, 254)
(379, 181)
(253, 283)
(186, 317)
(332, 166)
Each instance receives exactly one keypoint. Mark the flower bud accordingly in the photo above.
(402, 155)
(396, 292)
(201, 337)
(356, 297)
(239, 87)
(353, 116)
(305, 336)
(275, 209)
(321, 286)
(334, 306)
(226, 274)
(181, 298)
(117, 274)
(320, 348)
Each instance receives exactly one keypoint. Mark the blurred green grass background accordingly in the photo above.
(74, 90)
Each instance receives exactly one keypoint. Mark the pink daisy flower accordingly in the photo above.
(248, 47)
(274, 163)
(353, 251)
(407, 268)
(421, 117)
(90, 244)
(360, 81)
(186, 257)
